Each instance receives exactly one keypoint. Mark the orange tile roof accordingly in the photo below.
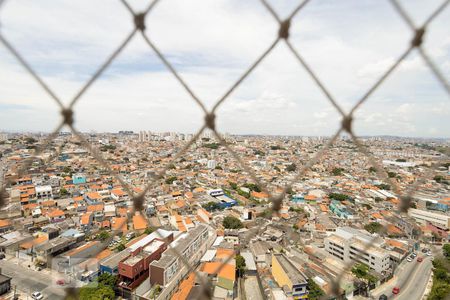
(228, 271)
(223, 253)
(105, 253)
(94, 195)
(118, 222)
(310, 197)
(85, 218)
(55, 213)
(184, 288)
(323, 207)
(377, 216)
(95, 207)
(139, 222)
(260, 195)
(118, 192)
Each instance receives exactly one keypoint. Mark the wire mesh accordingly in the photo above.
(139, 199)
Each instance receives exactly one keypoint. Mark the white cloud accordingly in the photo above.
(211, 43)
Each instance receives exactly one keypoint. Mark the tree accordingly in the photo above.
(103, 235)
(240, 265)
(315, 292)
(211, 206)
(291, 168)
(438, 178)
(121, 247)
(338, 196)
(233, 185)
(360, 270)
(253, 187)
(148, 230)
(372, 170)
(63, 192)
(107, 279)
(171, 179)
(373, 227)
(95, 291)
(337, 171)
(446, 250)
(230, 222)
(391, 174)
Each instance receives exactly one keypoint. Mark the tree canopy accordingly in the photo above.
(230, 222)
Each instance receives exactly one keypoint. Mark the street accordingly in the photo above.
(411, 278)
(29, 281)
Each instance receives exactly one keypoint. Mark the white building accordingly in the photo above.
(212, 164)
(351, 245)
(44, 192)
(423, 216)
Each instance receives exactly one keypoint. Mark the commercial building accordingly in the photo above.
(441, 221)
(349, 244)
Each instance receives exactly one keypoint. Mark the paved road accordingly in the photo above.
(412, 280)
(29, 281)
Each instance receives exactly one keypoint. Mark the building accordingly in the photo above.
(5, 284)
(340, 210)
(441, 221)
(288, 277)
(135, 268)
(349, 244)
(192, 245)
(44, 192)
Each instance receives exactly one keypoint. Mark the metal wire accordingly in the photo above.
(209, 117)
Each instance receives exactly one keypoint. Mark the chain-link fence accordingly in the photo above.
(418, 32)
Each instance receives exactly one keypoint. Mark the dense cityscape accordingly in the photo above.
(128, 217)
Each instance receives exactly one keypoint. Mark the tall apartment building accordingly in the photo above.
(349, 244)
(439, 220)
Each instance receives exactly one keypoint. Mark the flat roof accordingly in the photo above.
(113, 261)
(294, 274)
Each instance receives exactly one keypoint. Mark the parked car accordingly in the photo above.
(37, 296)
(396, 290)
(2, 255)
(409, 259)
(419, 259)
(413, 255)
(60, 282)
(429, 253)
(383, 297)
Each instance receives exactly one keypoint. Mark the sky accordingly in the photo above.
(348, 44)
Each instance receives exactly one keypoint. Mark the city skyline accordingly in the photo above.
(278, 98)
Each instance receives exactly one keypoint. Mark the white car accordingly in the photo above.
(37, 296)
(409, 259)
(429, 253)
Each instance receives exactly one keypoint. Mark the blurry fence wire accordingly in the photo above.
(138, 18)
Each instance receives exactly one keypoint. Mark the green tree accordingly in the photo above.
(148, 230)
(374, 227)
(63, 192)
(103, 235)
(446, 250)
(211, 206)
(94, 291)
(230, 222)
(360, 270)
(107, 279)
(337, 171)
(315, 292)
(338, 196)
(120, 247)
(291, 168)
(391, 174)
(233, 185)
(240, 265)
(253, 187)
(171, 179)
(372, 170)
